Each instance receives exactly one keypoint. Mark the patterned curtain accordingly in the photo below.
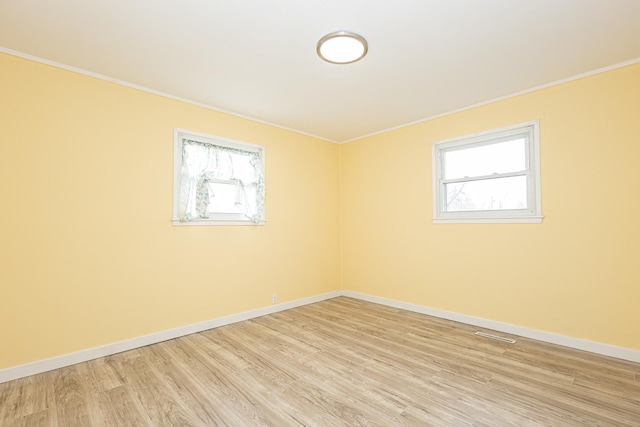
(205, 163)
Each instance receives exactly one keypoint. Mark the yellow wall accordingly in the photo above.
(88, 256)
(576, 274)
(88, 253)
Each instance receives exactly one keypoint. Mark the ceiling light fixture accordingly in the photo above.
(342, 47)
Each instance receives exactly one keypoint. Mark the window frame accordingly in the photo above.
(215, 218)
(533, 212)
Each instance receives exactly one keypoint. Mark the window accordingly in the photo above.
(488, 177)
(217, 181)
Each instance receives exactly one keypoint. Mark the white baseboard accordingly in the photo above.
(576, 343)
(45, 365)
(15, 372)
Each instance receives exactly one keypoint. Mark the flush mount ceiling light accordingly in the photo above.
(342, 47)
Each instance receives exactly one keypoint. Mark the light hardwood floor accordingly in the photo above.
(340, 362)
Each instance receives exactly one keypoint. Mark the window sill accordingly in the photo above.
(490, 220)
(215, 222)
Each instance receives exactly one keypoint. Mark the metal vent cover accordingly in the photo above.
(496, 337)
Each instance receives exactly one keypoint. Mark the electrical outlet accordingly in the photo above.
(274, 299)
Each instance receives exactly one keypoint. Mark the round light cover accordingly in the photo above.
(342, 47)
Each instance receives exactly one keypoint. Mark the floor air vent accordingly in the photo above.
(496, 337)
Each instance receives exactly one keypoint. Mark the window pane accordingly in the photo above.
(223, 199)
(244, 168)
(487, 194)
(503, 157)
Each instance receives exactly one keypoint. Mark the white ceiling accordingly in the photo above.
(257, 58)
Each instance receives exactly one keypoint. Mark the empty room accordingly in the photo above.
(319, 213)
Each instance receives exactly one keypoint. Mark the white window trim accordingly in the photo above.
(533, 215)
(216, 219)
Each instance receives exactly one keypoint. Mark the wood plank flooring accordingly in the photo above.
(340, 362)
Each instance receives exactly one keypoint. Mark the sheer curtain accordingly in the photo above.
(204, 164)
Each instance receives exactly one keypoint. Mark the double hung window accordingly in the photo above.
(217, 181)
(489, 177)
